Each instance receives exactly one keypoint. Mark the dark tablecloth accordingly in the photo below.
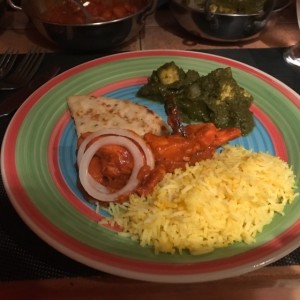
(23, 255)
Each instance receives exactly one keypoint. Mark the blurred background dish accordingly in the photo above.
(214, 21)
(63, 22)
(281, 4)
(2, 7)
(161, 2)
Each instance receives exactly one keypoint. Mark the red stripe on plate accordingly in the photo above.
(274, 133)
(118, 85)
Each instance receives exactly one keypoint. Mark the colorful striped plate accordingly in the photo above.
(39, 173)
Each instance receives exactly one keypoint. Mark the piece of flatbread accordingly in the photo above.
(91, 114)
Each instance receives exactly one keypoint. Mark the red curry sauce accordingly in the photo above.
(68, 12)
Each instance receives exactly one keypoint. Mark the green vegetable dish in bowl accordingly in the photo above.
(215, 97)
(220, 20)
(228, 6)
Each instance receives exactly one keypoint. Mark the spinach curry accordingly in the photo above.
(215, 97)
(229, 6)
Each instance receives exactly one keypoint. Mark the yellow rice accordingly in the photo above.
(210, 205)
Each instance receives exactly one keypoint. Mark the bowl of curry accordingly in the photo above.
(221, 20)
(65, 23)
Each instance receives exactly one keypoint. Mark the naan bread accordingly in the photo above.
(91, 114)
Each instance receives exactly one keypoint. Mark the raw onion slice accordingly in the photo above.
(97, 190)
(118, 132)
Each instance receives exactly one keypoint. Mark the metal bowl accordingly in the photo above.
(85, 37)
(219, 26)
(281, 4)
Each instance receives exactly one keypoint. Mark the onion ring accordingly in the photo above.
(120, 137)
(118, 132)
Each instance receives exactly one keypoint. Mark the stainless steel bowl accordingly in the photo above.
(281, 4)
(219, 26)
(85, 37)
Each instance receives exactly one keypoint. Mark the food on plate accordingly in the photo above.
(117, 158)
(176, 151)
(215, 97)
(92, 113)
(229, 7)
(210, 205)
(68, 12)
(166, 185)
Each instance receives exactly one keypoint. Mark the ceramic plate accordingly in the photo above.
(39, 173)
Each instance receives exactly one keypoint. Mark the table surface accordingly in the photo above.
(160, 32)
